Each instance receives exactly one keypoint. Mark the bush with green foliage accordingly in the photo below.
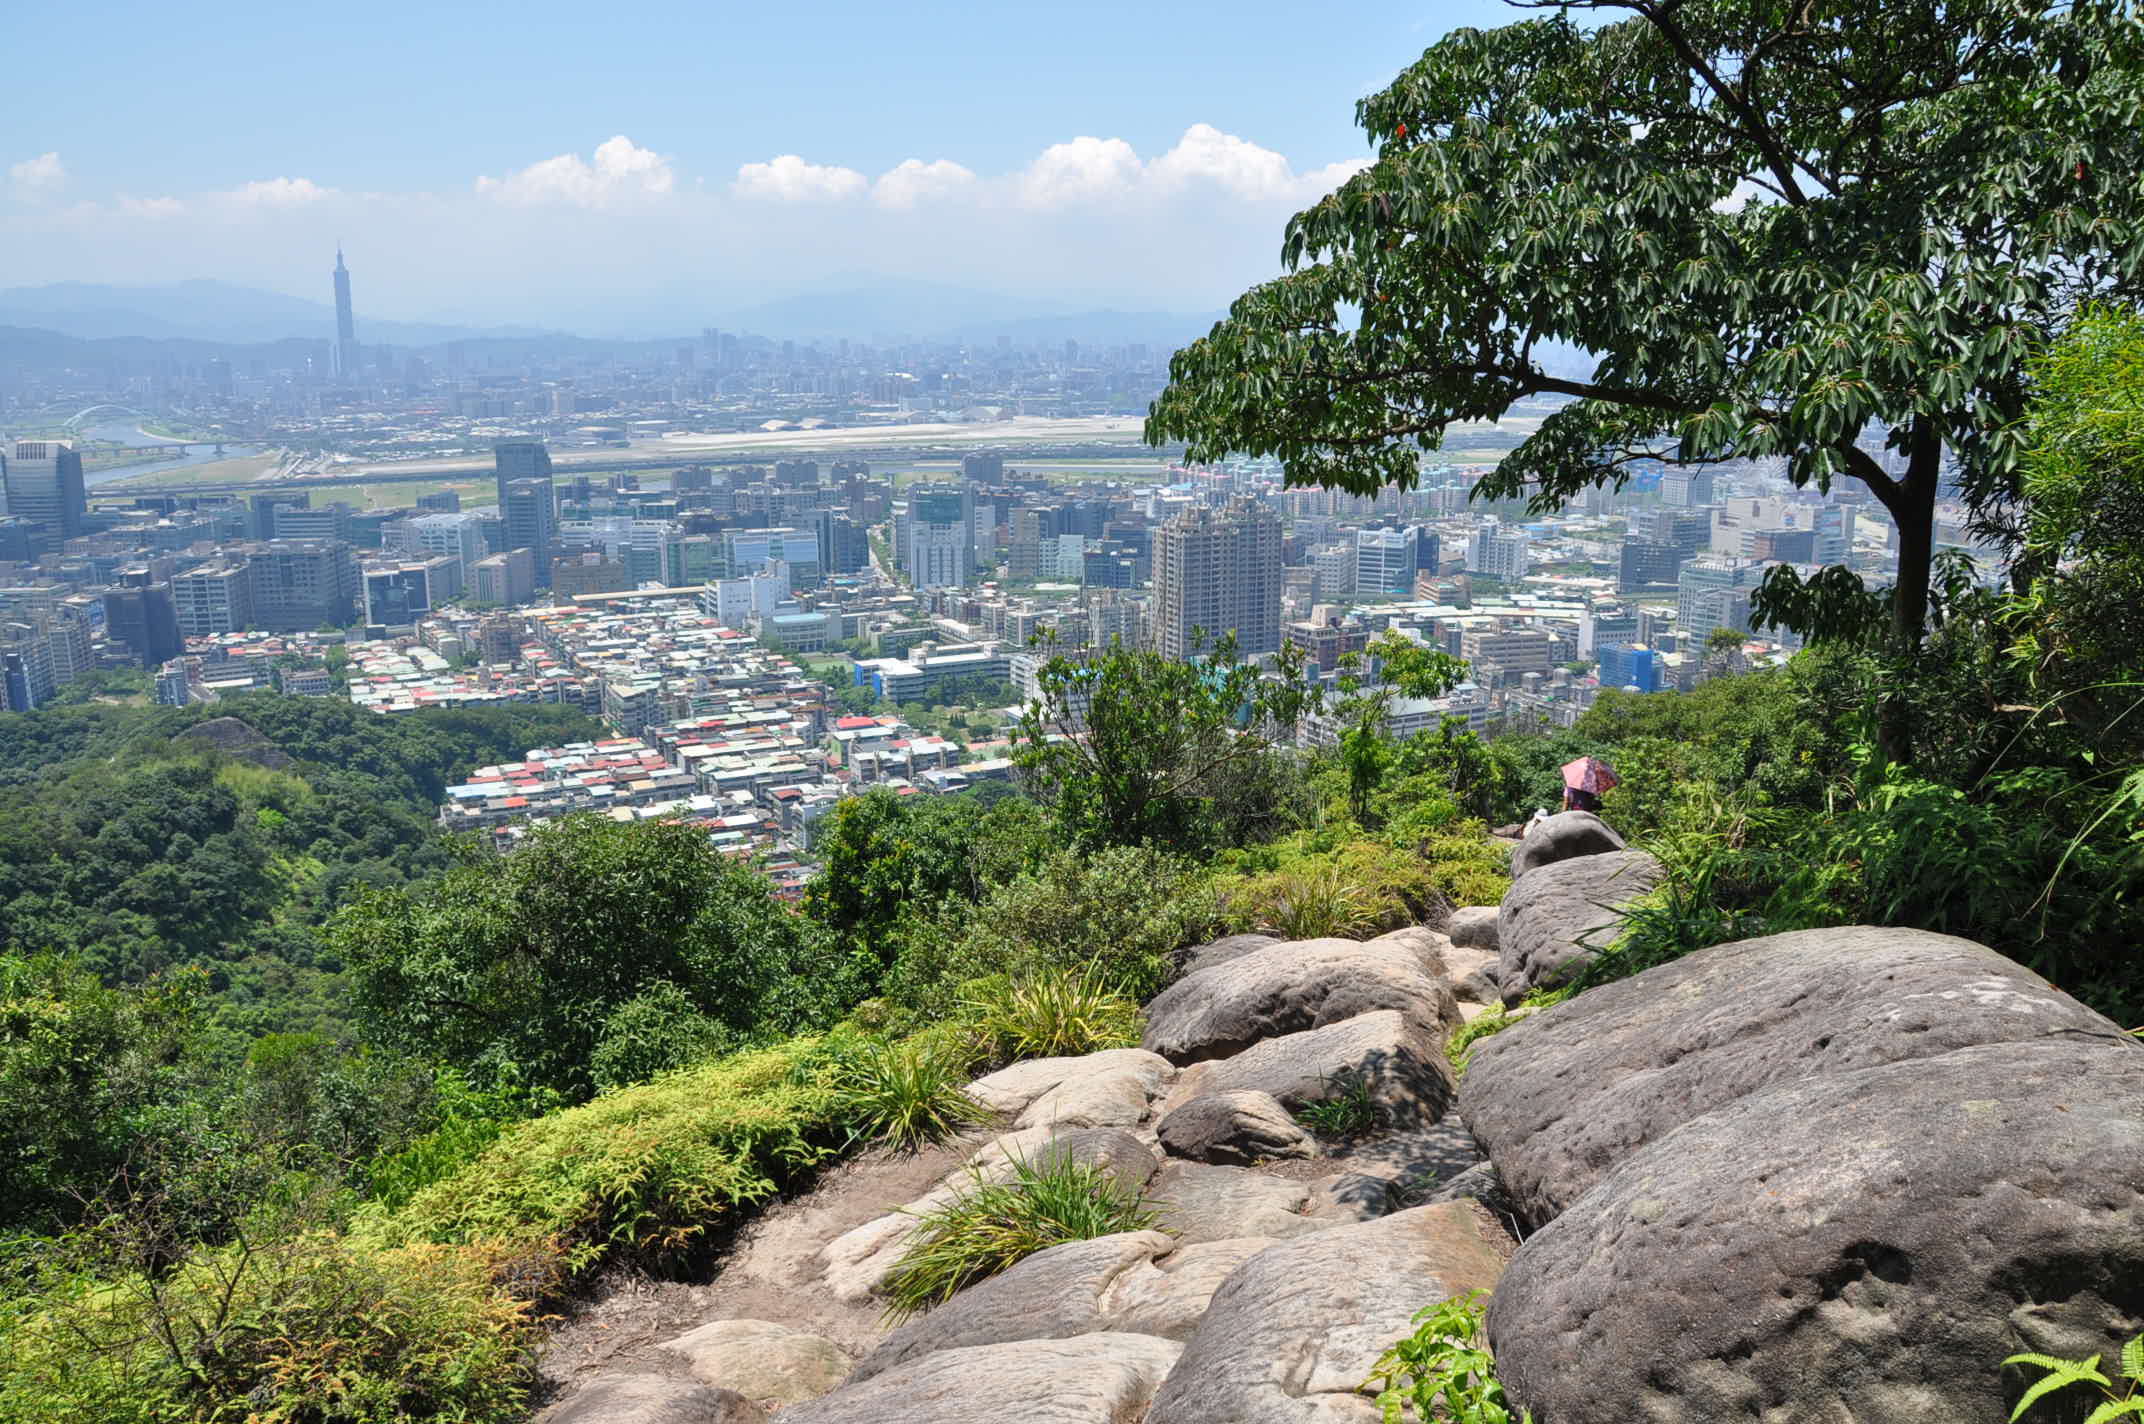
(1050, 1014)
(907, 1094)
(1443, 1370)
(992, 1225)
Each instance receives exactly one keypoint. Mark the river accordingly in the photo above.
(122, 433)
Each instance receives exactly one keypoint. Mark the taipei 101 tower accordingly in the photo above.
(345, 324)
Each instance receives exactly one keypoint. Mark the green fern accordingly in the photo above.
(2057, 1373)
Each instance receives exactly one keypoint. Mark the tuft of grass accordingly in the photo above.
(991, 1226)
(1345, 1112)
(1051, 1015)
(907, 1094)
(1316, 903)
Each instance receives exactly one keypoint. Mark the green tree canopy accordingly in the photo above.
(1779, 227)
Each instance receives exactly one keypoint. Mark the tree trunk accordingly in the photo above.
(1912, 507)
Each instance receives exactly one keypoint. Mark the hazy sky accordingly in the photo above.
(546, 162)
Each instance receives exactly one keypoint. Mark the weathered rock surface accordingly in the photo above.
(1116, 1097)
(1011, 1090)
(1167, 1295)
(653, 1399)
(1234, 1128)
(1564, 836)
(1091, 1379)
(1196, 1202)
(1400, 1058)
(1860, 1245)
(762, 1360)
(1556, 916)
(1474, 927)
(1560, 1098)
(1051, 1295)
(1287, 988)
(1222, 950)
(1292, 1333)
(854, 1263)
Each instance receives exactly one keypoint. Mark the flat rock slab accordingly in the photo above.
(1417, 1159)
(762, 1360)
(1293, 1332)
(1234, 1128)
(1863, 1245)
(653, 1399)
(1401, 1060)
(1557, 916)
(1563, 1096)
(1290, 987)
(1010, 1090)
(1564, 836)
(1196, 1202)
(1091, 1379)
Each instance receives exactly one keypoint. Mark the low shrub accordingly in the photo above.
(297, 1328)
(1314, 884)
(990, 1226)
(1050, 1015)
(906, 1094)
(1345, 1113)
(642, 1172)
(1443, 1371)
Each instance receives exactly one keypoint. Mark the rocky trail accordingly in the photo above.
(1833, 1175)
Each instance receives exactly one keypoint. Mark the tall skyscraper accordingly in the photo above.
(941, 536)
(345, 324)
(43, 481)
(531, 514)
(1218, 571)
(519, 460)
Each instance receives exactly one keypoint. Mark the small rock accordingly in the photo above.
(1288, 988)
(1474, 927)
(763, 1360)
(1117, 1097)
(1559, 915)
(1092, 1379)
(652, 1399)
(1239, 1128)
(1352, 1196)
(1010, 1090)
(1564, 837)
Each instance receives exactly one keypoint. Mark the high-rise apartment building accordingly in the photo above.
(43, 481)
(529, 507)
(144, 620)
(941, 536)
(844, 547)
(1386, 560)
(1713, 593)
(507, 580)
(301, 584)
(215, 597)
(345, 324)
(1498, 552)
(519, 460)
(1218, 571)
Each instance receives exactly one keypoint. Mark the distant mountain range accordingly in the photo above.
(861, 308)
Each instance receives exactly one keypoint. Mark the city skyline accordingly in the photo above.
(651, 175)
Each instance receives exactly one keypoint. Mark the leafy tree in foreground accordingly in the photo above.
(1779, 227)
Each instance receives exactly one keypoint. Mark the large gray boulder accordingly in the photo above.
(1239, 1128)
(1015, 1089)
(1092, 1379)
(1561, 1097)
(1555, 918)
(1861, 1245)
(1222, 950)
(762, 1360)
(1195, 1202)
(1293, 1333)
(1286, 988)
(622, 1398)
(1399, 1057)
(1564, 836)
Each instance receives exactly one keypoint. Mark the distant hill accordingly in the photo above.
(865, 308)
(206, 310)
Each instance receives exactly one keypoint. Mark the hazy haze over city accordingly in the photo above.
(636, 173)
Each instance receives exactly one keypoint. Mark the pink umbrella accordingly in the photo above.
(1588, 774)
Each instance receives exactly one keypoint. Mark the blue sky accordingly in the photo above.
(1085, 152)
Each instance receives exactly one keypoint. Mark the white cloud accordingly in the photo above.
(1082, 170)
(912, 181)
(151, 207)
(1739, 197)
(38, 178)
(622, 170)
(281, 193)
(1205, 154)
(789, 179)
